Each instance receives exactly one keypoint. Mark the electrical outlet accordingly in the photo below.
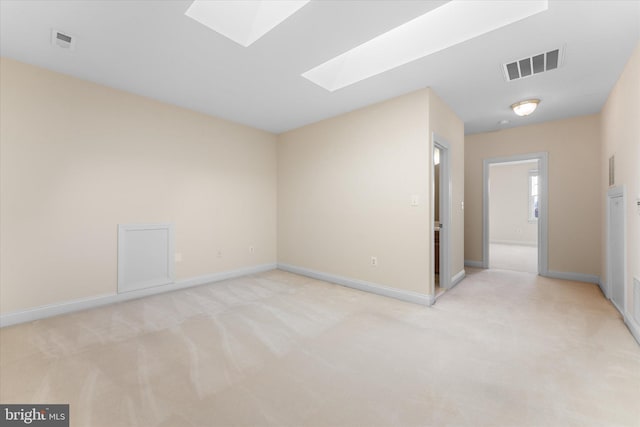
(374, 261)
(252, 249)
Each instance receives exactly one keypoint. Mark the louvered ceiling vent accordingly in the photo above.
(536, 64)
(62, 40)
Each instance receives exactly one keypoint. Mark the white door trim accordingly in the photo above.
(543, 216)
(445, 210)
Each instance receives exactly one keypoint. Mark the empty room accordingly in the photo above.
(319, 213)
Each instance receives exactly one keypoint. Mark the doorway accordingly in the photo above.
(533, 202)
(513, 216)
(440, 212)
(615, 247)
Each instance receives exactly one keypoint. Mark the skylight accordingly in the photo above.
(245, 21)
(448, 25)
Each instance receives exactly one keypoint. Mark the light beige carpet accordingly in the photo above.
(513, 257)
(500, 349)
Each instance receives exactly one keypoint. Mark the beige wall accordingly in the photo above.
(77, 159)
(344, 192)
(621, 137)
(509, 204)
(345, 187)
(573, 146)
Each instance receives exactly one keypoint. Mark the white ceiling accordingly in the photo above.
(151, 48)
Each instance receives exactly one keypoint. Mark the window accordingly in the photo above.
(534, 181)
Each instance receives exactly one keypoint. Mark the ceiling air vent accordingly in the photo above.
(536, 64)
(62, 40)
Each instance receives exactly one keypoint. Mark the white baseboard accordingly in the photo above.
(577, 277)
(603, 287)
(473, 264)
(514, 242)
(97, 301)
(634, 328)
(632, 325)
(458, 278)
(408, 296)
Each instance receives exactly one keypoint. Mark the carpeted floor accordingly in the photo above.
(513, 257)
(500, 349)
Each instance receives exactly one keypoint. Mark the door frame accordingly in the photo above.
(543, 215)
(445, 211)
(613, 192)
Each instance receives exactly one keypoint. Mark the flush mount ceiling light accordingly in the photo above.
(455, 22)
(524, 108)
(245, 21)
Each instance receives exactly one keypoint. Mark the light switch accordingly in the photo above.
(415, 200)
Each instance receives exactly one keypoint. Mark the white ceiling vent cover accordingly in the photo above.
(536, 64)
(63, 40)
